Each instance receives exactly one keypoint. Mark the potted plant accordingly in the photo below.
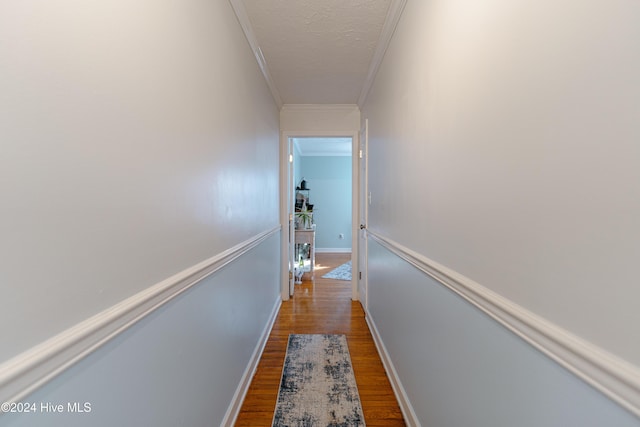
(304, 219)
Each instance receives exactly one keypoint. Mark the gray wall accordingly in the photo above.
(460, 368)
(138, 139)
(504, 146)
(181, 365)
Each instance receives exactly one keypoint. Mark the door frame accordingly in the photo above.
(364, 199)
(286, 190)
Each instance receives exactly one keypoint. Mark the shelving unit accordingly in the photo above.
(305, 233)
(307, 237)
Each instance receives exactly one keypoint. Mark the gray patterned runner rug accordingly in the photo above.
(318, 387)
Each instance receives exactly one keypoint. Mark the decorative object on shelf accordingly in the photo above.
(304, 232)
(303, 210)
(302, 199)
(304, 220)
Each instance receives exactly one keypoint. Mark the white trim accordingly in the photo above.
(245, 23)
(363, 281)
(320, 107)
(355, 214)
(241, 392)
(388, 28)
(409, 415)
(614, 377)
(312, 133)
(284, 187)
(284, 166)
(333, 250)
(286, 212)
(28, 371)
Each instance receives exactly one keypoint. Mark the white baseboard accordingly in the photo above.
(333, 250)
(615, 378)
(31, 369)
(241, 392)
(410, 417)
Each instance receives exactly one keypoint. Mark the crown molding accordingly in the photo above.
(320, 107)
(245, 23)
(388, 28)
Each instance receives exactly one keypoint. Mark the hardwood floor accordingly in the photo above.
(322, 307)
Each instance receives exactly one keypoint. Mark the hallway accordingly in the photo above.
(495, 167)
(322, 308)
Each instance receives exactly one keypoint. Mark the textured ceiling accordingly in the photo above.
(317, 51)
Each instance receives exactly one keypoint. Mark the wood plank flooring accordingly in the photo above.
(322, 307)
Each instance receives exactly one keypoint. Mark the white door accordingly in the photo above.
(290, 207)
(363, 214)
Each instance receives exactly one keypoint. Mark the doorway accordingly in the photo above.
(329, 163)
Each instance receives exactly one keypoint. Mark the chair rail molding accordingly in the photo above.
(31, 369)
(616, 378)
